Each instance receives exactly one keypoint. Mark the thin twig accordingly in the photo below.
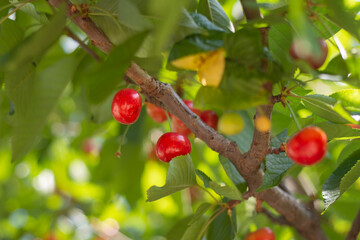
(82, 44)
(276, 219)
(355, 228)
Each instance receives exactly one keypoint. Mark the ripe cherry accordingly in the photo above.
(156, 113)
(180, 127)
(308, 146)
(230, 123)
(210, 118)
(261, 234)
(171, 145)
(315, 61)
(126, 106)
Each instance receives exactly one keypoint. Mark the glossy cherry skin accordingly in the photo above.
(171, 145)
(261, 234)
(308, 146)
(180, 127)
(210, 118)
(156, 113)
(126, 106)
(314, 61)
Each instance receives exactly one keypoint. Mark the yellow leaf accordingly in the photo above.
(191, 62)
(212, 69)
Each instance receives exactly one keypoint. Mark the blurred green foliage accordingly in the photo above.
(59, 175)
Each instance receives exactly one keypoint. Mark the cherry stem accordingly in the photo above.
(118, 153)
(169, 121)
(293, 115)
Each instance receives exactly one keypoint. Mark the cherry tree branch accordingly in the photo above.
(355, 228)
(247, 164)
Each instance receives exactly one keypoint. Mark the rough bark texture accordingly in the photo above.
(305, 221)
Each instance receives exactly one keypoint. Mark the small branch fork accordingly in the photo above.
(161, 94)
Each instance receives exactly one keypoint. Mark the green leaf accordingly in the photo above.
(235, 93)
(104, 79)
(10, 35)
(193, 231)
(205, 178)
(244, 47)
(222, 228)
(215, 13)
(204, 22)
(32, 48)
(170, 14)
(349, 98)
(279, 44)
(34, 96)
(325, 26)
(129, 16)
(341, 179)
(338, 131)
(29, 9)
(342, 18)
(320, 106)
(200, 211)
(178, 230)
(104, 15)
(225, 190)
(276, 165)
(233, 174)
(222, 190)
(181, 175)
(194, 44)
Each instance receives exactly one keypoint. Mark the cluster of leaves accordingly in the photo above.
(53, 98)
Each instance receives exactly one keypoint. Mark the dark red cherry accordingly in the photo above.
(126, 106)
(314, 61)
(210, 118)
(180, 127)
(171, 145)
(156, 113)
(308, 146)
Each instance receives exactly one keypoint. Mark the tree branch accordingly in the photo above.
(82, 44)
(355, 228)
(247, 164)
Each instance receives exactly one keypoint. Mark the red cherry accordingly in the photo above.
(171, 145)
(308, 146)
(210, 118)
(156, 113)
(261, 234)
(354, 126)
(126, 106)
(89, 145)
(314, 61)
(180, 127)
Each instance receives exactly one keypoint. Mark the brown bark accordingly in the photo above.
(355, 228)
(304, 220)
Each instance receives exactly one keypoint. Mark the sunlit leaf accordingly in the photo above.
(341, 179)
(215, 13)
(181, 175)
